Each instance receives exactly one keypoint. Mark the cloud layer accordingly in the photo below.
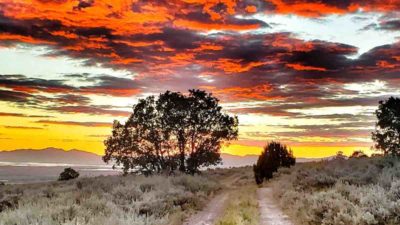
(219, 46)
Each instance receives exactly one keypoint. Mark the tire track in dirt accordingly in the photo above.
(214, 209)
(270, 212)
(210, 213)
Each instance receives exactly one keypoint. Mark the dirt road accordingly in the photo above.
(210, 214)
(270, 213)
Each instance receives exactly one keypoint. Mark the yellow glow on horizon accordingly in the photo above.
(298, 151)
(91, 139)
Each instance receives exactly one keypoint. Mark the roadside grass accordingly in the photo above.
(359, 191)
(242, 205)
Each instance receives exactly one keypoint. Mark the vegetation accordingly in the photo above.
(171, 132)
(387, 132)
(353, 191)
(274, 156)
(68, 174)
(131, 199)
(358, 154)
(242, 208)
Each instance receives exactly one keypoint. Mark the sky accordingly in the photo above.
(308, 73)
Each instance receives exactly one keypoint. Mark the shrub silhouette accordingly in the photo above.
(275, 155)
(358, 154)
(340, 156)
(10, 203)
(68, 174)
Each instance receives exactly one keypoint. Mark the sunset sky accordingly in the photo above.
(309, 73)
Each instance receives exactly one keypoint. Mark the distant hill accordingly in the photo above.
(51, 155)
(229, 160)
(78, 157)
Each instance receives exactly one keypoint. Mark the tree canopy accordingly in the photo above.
(275, 155)
(173, 131)
(387, 131)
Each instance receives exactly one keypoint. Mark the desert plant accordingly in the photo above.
(274, 156)
(117, 200)
(68, 174)
(356, 191)
(358, 154)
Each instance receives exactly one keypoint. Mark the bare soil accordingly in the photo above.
(270, 212)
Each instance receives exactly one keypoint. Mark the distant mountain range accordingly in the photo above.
(51, 155)
(78, 157)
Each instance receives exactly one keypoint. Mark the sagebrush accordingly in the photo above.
(355, 191)
(106, 200)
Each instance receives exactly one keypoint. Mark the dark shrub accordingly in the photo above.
(275, 155)
(68, 174)
(358, 154)
(9, 203)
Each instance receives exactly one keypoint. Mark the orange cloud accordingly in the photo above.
(235, 66)
(258, 92)
(302, 67)
(251, 9)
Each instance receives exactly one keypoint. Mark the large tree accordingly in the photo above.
(387, 131)
(173, 131)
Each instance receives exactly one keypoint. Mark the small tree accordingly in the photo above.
(387, 131)
(358, 154)
(340, 155)
(275, 155)
(68, 174)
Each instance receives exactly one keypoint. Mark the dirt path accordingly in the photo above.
(270, 213)
(210, 213)
(214, 209)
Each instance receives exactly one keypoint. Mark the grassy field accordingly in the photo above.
(108, 200)
(119, 200)
(354, 191)
(359, 191)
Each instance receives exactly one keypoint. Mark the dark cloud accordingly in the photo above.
(72, 99)
(84, 4)
(23, 127)
(31, 85)
(23, 115)
(14, 96)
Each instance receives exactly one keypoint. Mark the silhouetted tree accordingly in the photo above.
(358, 154)
(174, 131)
(275, 155)
(68, 174)
(340, 155)
(387, 131)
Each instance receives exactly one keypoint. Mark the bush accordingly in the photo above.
(274, 156)
(68, 174)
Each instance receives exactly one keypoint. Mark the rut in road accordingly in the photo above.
(214, 209)
(270, 212)
(210, 214)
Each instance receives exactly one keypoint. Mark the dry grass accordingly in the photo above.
(355, 191)
(109, 200)
(242, 206)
